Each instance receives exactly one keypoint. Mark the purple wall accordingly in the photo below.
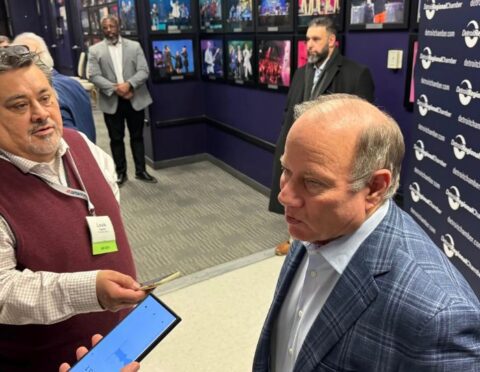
(259, 112)
(371, 49)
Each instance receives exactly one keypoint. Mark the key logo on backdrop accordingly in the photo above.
(453, 195)
(465, 92)
(448, 245)
(471, 33)
(415, 192)
(460, 148)
(419, 148)
(458, 144)
(422, 103)
(426, 58)
(429, 7)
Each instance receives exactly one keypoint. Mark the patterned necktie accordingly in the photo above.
(316, 77)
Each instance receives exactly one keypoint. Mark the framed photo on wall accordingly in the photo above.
(173, 58)
(377, 14)
(107, 10)
(170, 16)
(211, 16)
(274, 15)
(301, 49)
(212, 58)
(128, 17)
(240, 60)
(239, 16)
(409, 97)
(94, 20)
(274, 62)
(85, 22)
(310, 9)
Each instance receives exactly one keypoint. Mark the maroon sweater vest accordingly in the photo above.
(52, 235)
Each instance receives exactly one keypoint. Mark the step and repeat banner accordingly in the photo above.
(444, 180)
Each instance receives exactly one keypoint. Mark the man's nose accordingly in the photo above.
(288, 196)
(39, 113)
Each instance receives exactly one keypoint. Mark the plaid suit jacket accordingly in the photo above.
(400, 305)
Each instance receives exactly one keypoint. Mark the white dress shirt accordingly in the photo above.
(41, 297)
(318, 73)
(314, 280)
(116, 54)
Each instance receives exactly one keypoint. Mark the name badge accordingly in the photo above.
(102, 234)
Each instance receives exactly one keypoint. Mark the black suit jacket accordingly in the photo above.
(341, 75)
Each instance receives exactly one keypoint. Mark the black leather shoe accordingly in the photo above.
(145, 177)
(121, 178)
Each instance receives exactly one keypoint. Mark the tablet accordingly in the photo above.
(132, 339)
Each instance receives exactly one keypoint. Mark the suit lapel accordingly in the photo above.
(108, 58)
(353, 293)
(331, 69)
(308, 83)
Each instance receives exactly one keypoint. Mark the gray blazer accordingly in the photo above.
(135, 71)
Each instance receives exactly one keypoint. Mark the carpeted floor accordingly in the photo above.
(197, 217)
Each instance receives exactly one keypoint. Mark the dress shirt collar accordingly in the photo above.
(339, 252)
(322, 66)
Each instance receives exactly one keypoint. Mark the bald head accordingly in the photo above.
(355, 130)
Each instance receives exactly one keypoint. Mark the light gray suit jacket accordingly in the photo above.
(135, 71)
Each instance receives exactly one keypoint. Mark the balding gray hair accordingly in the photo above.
(380, 143)
(43, 52)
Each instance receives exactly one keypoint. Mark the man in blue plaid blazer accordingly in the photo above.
(363, 287)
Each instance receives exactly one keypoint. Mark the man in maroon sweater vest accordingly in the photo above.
(64, 254)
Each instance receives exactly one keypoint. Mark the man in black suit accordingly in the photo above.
(326, 72)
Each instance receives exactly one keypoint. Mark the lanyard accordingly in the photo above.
(69, 191)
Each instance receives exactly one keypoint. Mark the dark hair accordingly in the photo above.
(18, 56)
(326, 22)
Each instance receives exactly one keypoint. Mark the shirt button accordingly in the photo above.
(300, 313)
(290, 351)
(313, 273)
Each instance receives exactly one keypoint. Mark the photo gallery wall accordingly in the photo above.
(251, 43)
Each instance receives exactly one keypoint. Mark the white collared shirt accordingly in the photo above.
(318, 73)
(116, 53)
(43, 297)
(314, 280)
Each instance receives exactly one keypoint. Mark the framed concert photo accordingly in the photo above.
(409, 97)
(212, 59)
(94, 20)
(377, 14)
(274, 54)
(170, 16)
(211, 16)
(240, 60)
(301, 49)
(173, 58)
(127, 15)
(239, 16)
(85, 22)
(107, 10)
(310, 9)
(274, 16)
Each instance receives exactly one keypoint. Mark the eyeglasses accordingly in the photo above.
(15, 54)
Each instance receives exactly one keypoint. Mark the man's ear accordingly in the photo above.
(331, 40)
(378, 186)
